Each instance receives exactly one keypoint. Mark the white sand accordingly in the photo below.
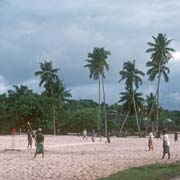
(72, 158)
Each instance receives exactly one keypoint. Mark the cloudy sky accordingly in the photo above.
(64, 31)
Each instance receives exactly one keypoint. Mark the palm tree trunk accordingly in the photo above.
(99, 110)
(54, 120)
(122, 126)
(158, 90)
(137, 121)
(104, 105)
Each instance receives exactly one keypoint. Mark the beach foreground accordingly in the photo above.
(72, 158)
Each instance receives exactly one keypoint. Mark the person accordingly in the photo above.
(29, 136)
(39, 143)
(34, 134)
(176, 136)
(166, 145)
(85, 134)
(158, 135)
(150, 141)
(93, 135)
(108, 137)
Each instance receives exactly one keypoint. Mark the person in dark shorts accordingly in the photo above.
(39, 143)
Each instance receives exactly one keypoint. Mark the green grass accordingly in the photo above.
(149, 172)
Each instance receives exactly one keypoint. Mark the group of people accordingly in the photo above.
(92, 136)
(166, 142)
(39, 141)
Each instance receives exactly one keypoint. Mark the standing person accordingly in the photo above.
(93, 135)
(166, 145)
(158, 135)
(85, 134)
(108, 137)
(39, 143)
(176, 136)
(150, 141)
(29, 136)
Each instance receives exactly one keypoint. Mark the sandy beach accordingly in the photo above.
(72, 158)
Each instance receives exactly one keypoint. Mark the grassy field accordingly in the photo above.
(149, 172)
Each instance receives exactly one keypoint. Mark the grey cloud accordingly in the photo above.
(65, 31)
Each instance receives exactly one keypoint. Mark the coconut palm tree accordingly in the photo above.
(97, 65)
(131, 75)
(160, 55)
(128, 104)
(61, 92)
(48, 78)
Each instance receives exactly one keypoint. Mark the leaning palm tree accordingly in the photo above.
(48, 77)
(160, 55)
(128, 104)
(97, 65)
(131, 75)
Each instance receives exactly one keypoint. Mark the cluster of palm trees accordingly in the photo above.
(132, 100)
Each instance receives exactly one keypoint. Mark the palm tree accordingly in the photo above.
(61, 92)
(49, 78)
(150, 109)
(128, 104)
(160, 55)
(97, 65)
(131, 75)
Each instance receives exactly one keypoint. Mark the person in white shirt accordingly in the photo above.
(150, 141)
(166, 145)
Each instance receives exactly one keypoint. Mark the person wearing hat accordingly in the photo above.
(39, 143)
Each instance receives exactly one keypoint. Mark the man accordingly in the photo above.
(166, 145)
(93, 135)
(29, 136)
(39, 143)
(85, 134)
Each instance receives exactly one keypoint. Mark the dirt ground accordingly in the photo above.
(72, 158)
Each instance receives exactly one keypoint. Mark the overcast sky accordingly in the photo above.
(64, 31)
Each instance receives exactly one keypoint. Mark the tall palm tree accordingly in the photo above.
(97, 65)
(48, 78)
(131, 75)
(128, 104)
(160, 55)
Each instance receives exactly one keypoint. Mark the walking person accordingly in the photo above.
(29, 137)
(93, 135)
(150, 141)
(85, 134)
(176, 137)
(158, 135)
(39, 143)
(166, 145)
